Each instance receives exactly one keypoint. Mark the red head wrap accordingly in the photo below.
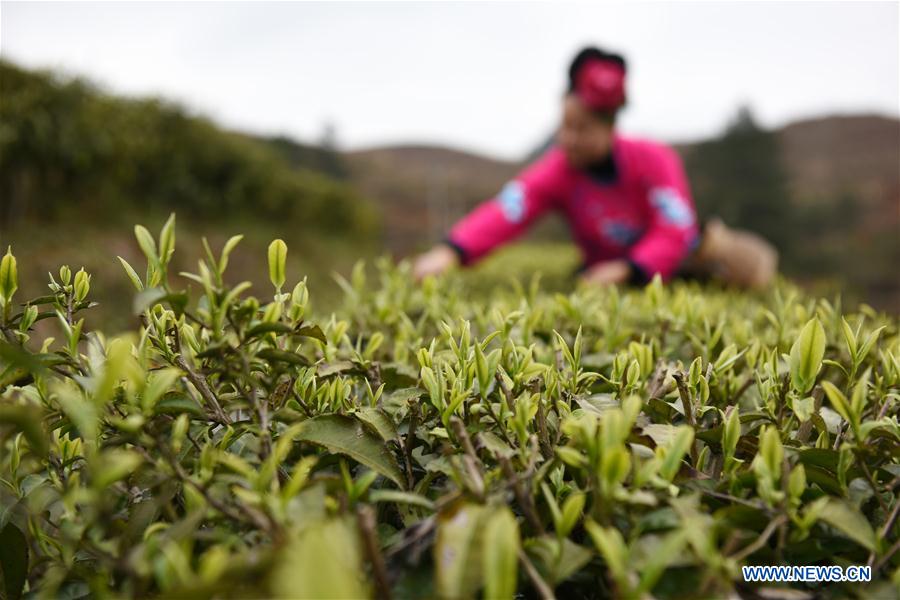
(600, 84)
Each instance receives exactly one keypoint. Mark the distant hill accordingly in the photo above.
(857, 156)
(422, 190)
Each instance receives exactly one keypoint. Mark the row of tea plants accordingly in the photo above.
(420, 442)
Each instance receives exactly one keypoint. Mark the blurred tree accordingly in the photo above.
(739, 177)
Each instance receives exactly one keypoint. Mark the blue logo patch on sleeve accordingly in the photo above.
(672, 206)
(512, 201)
(620, 232)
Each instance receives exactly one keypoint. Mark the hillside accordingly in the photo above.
(422, 190)
(857, 155)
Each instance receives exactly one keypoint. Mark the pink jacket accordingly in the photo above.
(639, 208)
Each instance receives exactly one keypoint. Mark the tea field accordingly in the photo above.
(439, 440)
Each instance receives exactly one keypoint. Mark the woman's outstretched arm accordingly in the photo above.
(531, 194)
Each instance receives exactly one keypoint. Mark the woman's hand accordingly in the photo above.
(608, 272)
(435, 262)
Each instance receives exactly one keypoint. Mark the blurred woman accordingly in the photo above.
(627, 201)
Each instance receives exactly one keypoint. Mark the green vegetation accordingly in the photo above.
(417, 442)
(69, 152)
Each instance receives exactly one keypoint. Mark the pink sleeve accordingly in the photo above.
(521, 201)
(673, 221)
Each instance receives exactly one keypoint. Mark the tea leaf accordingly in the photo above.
(347, 436)
(806, 356)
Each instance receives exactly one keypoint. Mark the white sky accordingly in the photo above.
(485, 77)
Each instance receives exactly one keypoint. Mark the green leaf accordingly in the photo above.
(501, 549)
(458, 550)
(347, 436)
(667, 552)
(271, 354)
(9, 277)
(13, 561)
(571, 512)
(323, 561)
(132, 275)
(262, 329)
(612, 547)
(806, 356)
(846, 518)
(145, 241)
(114, 465)
(557, 560)
(312, 331)
(167, 240)
(838, 400)
(398, 497)
(277, 260)
(28, 420)
(675, 452)
(226, 252)
(849, 337)
(378, 421)
(176, 403)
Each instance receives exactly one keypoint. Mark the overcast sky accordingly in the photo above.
(484, 77)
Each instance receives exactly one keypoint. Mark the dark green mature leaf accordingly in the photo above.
(346, 435)
(557, 560)
(264, 328)
(379, 422)
(850, 521)
(13, 561)
(312, 331)
(283, 356)
(175, 403)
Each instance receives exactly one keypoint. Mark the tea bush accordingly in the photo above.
(417, 443)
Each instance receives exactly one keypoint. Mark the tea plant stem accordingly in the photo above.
(761, 540)
(685, 395)
(365, 516)
(543, 589)
(740, 391)
(69, 308)
(203, 387)
(874, 486)
(525, 500)
(730, 498)
(806, 427)
(410, 441)
(501, 430)
(507, 393)
(891, 519)
(546, 447)
(887, 556)
(470, 459)
(656, 386)
(186, 478)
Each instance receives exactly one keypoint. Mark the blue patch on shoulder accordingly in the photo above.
(672, 206)
(512, 201)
